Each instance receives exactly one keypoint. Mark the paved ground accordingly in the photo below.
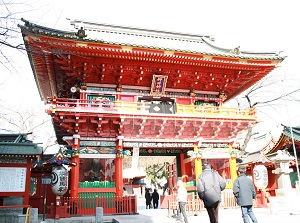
(263, 215)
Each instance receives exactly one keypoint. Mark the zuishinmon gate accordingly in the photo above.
(114, 91)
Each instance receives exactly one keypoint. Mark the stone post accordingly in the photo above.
(284, 191)
(99, 214)
(282, 171)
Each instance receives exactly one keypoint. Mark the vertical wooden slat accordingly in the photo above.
(111, 205)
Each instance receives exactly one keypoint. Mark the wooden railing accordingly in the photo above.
(119, 107)
(228, 199)
(194, 205)
(215, 111)
(72, 206)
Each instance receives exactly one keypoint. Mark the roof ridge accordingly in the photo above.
(160, 35)
(139, 31)
(34, 25)
(237, 50)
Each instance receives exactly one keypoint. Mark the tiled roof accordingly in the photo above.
(14, 138)
(295, 130)
(269, 152)
(153, 39)
(257, 157)
(18, 144)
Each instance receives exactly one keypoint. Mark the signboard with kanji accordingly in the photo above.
(12, 179)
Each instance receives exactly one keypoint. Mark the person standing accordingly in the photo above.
(244, 191)
(209, 187)
(155, 198)
(181, 199)
(148, 198)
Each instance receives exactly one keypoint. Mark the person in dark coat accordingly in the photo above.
(155, 198)
(209, 187)
(244, 191)
(148, 198)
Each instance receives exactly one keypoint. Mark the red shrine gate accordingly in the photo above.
(103, 96)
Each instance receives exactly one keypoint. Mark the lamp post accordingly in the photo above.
(292, 136)
(296, 158)
(45, 181)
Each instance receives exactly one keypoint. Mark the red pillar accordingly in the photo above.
(174, 175)
(27, 185)
(119, 168)
(184, 177)
(170, 179)
(75, 169)
(57, 208)
(264, 202)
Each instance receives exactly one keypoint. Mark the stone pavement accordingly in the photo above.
(263, 215)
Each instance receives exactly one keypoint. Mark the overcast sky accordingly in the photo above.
(257, 25)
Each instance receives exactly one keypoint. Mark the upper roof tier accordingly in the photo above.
(101, 54)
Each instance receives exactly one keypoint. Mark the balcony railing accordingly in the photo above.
(143, 108)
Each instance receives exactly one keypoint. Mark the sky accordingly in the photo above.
(268, 25)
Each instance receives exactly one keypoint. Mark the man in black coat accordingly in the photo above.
(155, 198)
(209, 187)
(148, 197)
(244, 191)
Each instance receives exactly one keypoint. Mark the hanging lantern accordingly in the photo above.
(222, 96)
(60, 177)
(60, 174)
(192, 93)
(260, 176)
(83, 86)
(119, 88)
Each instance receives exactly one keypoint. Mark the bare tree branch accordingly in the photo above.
(268, 93)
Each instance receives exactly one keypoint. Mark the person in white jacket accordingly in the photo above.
(181, 199)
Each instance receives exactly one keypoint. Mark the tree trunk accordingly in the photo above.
(246, 141)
